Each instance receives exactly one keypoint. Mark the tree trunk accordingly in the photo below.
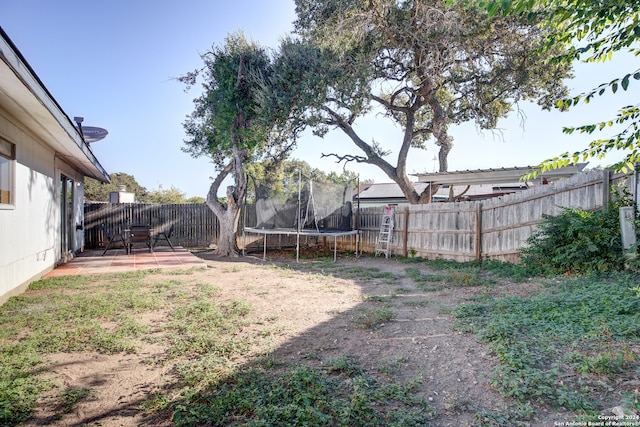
(227, 241)
(229, 215)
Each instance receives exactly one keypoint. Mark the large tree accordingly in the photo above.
(226, 126)
(426, 64)
(592, 31)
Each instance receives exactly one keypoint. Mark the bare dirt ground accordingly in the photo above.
(316, 317)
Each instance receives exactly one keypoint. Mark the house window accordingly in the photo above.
(7, 157)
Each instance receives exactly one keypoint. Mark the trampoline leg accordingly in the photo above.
(264, 252)
(335, 245)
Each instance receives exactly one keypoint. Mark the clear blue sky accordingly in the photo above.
(114, 63)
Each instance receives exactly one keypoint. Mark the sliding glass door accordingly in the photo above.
(66, 216)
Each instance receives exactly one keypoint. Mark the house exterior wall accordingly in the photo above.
(30, 245)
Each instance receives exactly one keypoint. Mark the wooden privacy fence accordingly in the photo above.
(463, 231)
(493, 228)
(194, 226)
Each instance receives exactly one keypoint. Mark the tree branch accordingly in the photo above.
(212, 197)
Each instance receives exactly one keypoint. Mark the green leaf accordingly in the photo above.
(493, 9)
(625, 81)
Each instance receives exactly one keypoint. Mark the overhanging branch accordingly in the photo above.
(346, 158)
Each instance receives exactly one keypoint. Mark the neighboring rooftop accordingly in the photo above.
(482, 184)
(497, 176)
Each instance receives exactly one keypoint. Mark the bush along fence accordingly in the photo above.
(494, 228)
(462, 231)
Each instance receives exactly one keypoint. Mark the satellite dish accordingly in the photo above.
(93, 134)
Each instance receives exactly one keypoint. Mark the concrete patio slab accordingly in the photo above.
(117, 261)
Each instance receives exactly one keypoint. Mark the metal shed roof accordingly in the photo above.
(496, 176)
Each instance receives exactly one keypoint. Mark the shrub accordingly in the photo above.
(577, 241)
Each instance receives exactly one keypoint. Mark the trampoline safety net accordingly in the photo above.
(300, 203)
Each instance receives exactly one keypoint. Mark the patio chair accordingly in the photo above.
(164, 235)
(139, 234)
(111, 238)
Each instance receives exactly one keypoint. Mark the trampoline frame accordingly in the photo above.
(303, 232)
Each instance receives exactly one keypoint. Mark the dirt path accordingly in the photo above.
(313, 317)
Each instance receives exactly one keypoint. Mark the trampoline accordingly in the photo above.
(303, 207)
(299, 233)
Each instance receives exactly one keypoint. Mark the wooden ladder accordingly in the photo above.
(386, 232)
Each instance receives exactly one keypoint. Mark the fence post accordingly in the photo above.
(479, 231)
(606, 188)
(405, 238)
(628, 230)
(636, 186)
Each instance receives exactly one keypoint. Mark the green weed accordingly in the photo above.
(458, 277)
(374, 298)
(369, 319)
(420, 303)
(70, 398)
(391, 367)
(340, 394)
(518, 415)
(348, 272)
(609, 362)
(529, 335)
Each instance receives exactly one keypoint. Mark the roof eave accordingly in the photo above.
(27, 99)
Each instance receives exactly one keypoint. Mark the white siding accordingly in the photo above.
(30, 231)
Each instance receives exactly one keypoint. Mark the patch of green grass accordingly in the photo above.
(69, 398)
(348, 271)
(469, 277)
(391, 367)
(344, 365)
(67, 314)
(369, 319)
(458, 277)
(518, 415)
(62, 321)
(20, 384)
(427, 281)
(530, 336)
(514, 272)
(338, 394)
(207, 290)
(374, 298)
(207, 327)
(418, 303)
(182, 271)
